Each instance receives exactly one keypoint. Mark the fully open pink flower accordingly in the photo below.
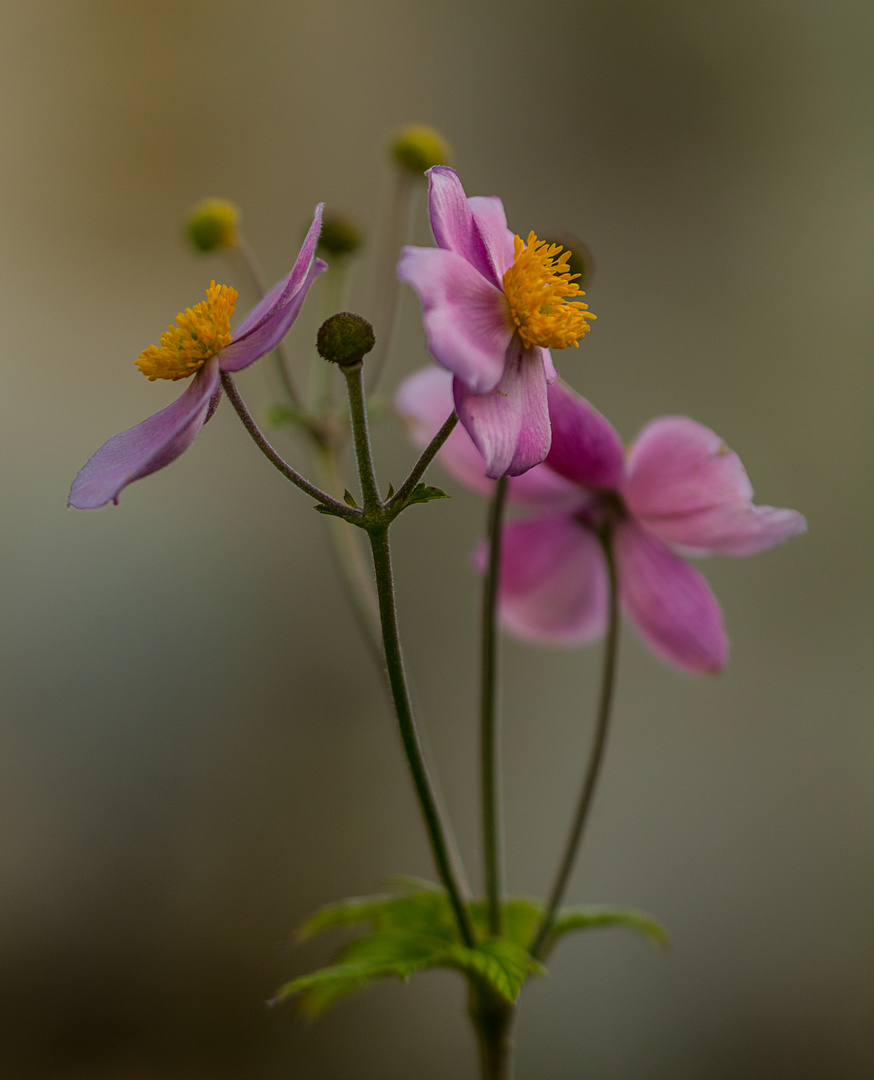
(201, 344)
(678, 491)
(492, 306)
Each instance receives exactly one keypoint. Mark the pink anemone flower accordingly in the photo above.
(492, 306)
(201, 344)
(678, 491)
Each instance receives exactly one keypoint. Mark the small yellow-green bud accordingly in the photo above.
(419, 147)
(212, 225)
(581, 261)
(345, 338)
(339, 236)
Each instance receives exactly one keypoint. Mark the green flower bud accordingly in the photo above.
(212, 225)
(418, 147)
(339, 236)
(345, 338)
(581, 261)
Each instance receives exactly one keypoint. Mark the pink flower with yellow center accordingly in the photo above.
(492, 307)
(677, 492)
(202, 345)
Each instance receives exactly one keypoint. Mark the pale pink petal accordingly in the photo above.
(465, 317)
(149, 446)
(425, 400)
(548, 366)
(257, 343)
(288, 288)
(510, 425)
(586, 448)
(488, 213)
(453, 224)
(669, 602)
(685, 485)
(553, 581)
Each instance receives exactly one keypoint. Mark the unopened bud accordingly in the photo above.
(339, 236)
(418, 147)
(345, 338)
(212, 225)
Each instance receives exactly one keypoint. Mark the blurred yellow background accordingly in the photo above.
(194, 752)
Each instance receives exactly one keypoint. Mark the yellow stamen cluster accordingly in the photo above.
(538, 286)
(200, 332)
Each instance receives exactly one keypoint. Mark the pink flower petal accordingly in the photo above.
(553, 582)
(453, 223)
(488, 214)
(466, 318)
(585, 446)
(149, 446)
(257, 342)
(425, 400)
(669, 602)
(685, 485)
(510, 425)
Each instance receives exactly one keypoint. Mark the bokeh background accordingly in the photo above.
(194, 752)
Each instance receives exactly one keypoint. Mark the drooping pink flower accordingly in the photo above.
(678, 491)
(200, 344)
(492, 307)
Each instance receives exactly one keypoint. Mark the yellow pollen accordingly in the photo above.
(538, 287)
(200, 332)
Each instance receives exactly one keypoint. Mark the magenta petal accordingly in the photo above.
(553, 582)
(510, 425)
(465, 317)
(585, 446)
(488, 213)
(149, 446)
(685, 485)
(424, 401)
(288, 288)
(669, 602)
(244, 351)
(453, 224)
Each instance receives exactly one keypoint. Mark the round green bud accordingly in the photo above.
(339, 236)
(581, 261)
(212, 225)
(345, 338)
(418, 147)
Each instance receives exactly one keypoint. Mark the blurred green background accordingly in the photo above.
(194, 752)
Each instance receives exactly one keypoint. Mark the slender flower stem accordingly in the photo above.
(596, 754)
(490, 793)
(384, 301)
(253, 269)
(274, 458)
(428, 455)
(493, 1021)
(377, 531)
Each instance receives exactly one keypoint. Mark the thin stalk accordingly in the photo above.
(489, 771)
(377, 531)
(253, 269)
(275, 459)
(384, 300)
(428, 455)
(596, 754)
(493, 1022)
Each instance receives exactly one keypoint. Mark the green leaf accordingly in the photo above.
(330, 511)
(391, 491)
(595, 915)
(521, 917)
(349, 499)
(423, 493)
(426, 912)
(499, 962)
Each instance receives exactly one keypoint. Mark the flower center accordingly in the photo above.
(200, 332)
(538, 286)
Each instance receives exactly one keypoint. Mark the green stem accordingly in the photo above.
(418, 471)
(596, 754)
(384, 301)
(493, 1018)
(275, 459)
(489, 771)
(377, 530)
